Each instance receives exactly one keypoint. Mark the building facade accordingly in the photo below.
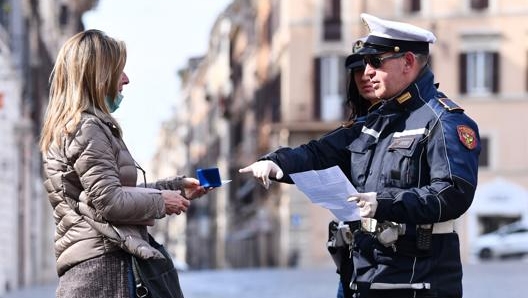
(274, 76)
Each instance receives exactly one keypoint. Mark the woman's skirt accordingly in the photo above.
(103, 276)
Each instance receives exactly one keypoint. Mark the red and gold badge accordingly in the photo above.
(467, 136)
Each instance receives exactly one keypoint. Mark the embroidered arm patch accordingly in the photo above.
(467, 136)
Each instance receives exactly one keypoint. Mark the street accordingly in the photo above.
(505, 279)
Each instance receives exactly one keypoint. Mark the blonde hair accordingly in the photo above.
(88, 68)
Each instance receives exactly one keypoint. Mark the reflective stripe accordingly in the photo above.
(371, 132)
(411, 132)
(387, 286)
(444, 227)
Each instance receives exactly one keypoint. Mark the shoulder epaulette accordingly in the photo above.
(450, 105)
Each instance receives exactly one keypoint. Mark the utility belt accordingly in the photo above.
(341, 239)
(340, 243)
(341, 234)
(388, 233)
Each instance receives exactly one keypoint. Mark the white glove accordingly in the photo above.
(262, 170)
(366, 202)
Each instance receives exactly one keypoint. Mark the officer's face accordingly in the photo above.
(364, 85)
(387, 74)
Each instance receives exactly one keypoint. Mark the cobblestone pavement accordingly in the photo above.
(505, 279)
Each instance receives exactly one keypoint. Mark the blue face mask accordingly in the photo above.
(113, 104)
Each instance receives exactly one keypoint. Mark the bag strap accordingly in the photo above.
(141, 289)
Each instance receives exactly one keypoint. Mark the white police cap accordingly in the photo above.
(390, 36)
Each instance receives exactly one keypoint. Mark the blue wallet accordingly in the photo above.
(209, 177)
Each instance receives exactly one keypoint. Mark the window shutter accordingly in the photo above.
(484, 152)
(462, 73)
(414, 5)
(332, 20)
(496, 71)
(479, 4)
(317, 89)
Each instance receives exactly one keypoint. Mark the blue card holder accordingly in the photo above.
(209, 177)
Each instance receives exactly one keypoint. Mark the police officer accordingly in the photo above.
(415, 165)
(328, 151)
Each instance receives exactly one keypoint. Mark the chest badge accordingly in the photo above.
(467, 136)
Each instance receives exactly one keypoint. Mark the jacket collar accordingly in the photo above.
(412, 97)
(105, 118)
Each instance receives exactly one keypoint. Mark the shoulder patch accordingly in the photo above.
(450, 105)
(467, 136)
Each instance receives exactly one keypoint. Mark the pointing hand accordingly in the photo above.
(262, 170)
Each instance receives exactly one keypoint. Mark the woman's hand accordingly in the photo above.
(174, 202)
(192, 188)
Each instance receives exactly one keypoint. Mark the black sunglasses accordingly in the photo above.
(376, 61)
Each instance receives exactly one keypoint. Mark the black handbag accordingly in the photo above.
(156, 278)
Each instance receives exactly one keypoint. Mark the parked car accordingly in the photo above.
(508, 241)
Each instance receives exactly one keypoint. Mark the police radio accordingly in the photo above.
(424, 237)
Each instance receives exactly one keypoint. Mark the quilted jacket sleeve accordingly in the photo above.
(93, 154)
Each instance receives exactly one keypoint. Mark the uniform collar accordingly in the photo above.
(411, 97)
(375, 105)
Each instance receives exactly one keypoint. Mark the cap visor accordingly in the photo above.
(370, 51)
(356, 65)
(354, 61)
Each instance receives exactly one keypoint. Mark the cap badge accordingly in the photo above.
(357, 46)
(467, 136)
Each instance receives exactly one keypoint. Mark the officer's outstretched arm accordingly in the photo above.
(262, 170)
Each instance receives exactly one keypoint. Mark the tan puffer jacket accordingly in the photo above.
(89, 174)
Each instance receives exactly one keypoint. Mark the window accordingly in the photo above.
(332, 20)
(479, 72)
(274, 18)
(484, 152)
(413, 6)
(479, 4)
(329, 88)
(268, 101)
(5, 10)
(64, 15)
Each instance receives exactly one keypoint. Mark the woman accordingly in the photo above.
(101, 216)
(361, 98)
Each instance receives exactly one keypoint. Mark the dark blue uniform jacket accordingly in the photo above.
(419, 153)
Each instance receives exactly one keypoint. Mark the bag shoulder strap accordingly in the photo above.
(141, 289)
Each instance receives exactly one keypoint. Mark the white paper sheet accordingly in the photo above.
(330, 189)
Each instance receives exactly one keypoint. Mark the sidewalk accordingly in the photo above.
(505, 279)
(40, 291)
